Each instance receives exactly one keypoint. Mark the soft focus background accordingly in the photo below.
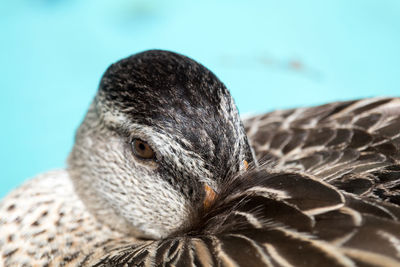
(271, 54)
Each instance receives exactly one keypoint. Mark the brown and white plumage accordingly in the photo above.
(352, 145)
(325, 192)
(326, 196)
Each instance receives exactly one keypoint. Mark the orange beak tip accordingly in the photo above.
(210, 197)
(245, 164)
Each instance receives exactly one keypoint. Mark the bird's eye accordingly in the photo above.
(142, 150)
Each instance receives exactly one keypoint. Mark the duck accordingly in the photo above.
(164, 172)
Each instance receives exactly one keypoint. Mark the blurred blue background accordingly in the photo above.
(271, 54)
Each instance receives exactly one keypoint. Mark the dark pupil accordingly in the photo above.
(142, 146)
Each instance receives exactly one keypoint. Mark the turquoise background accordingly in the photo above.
(271, 54)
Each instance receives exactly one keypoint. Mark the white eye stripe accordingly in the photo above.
(162, 144)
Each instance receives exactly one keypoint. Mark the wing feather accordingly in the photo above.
(352, 145)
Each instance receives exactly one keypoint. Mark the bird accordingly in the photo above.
(164, 172)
